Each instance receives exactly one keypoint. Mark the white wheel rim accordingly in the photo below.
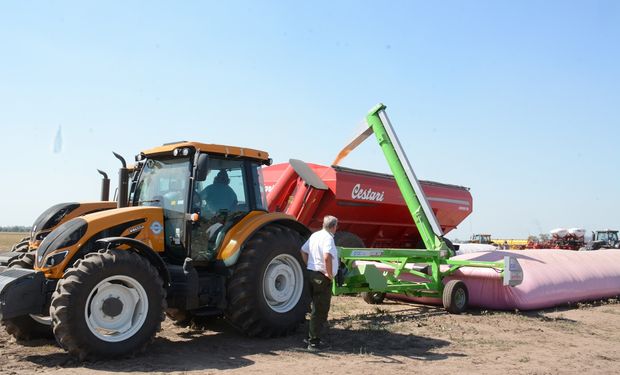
(42, 319)
(283, 283)
(111, 324)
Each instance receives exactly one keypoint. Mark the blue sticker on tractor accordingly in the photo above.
(156, 227)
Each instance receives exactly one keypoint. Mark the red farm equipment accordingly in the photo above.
(367, 204)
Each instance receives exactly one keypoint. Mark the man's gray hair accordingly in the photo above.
(329, 222)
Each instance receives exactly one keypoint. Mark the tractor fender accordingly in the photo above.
(238, 235)
(141, 249)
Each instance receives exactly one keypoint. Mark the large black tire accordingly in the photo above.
(348, 239)
(373, 298)
(272, 253)
(25, 328)
(25, 260)
(121, 275)
(22, 246)
(455, 297)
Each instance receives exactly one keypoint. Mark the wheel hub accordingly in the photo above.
(280, 283)
(116, 308)
(112, 307)
(283, 283)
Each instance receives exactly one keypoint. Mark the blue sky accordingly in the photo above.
(520, 101)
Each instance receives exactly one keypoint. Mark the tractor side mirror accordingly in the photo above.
(201, 167)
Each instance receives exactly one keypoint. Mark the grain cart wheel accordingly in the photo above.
(266, 292)
(28, 327)
(373, 298)
(348, 239)
(455, 297)
(108, 304)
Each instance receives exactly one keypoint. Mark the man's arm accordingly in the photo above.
(327, 257)
(304, 256)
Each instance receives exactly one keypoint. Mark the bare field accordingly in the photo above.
(391, 338)
(8, 239)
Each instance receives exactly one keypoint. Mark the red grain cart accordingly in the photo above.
(367, 204)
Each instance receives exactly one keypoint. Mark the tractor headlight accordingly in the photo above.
(41, 236)
(67, 234)
(55, 259)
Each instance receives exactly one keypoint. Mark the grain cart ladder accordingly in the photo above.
(424, 264)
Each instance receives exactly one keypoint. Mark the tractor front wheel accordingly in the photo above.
(109, 304)
(22, 246)
(28, 327)
(266, 293)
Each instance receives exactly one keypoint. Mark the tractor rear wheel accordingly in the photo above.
(27, 327)
(109, 304)
(455, 297)
(266, 292)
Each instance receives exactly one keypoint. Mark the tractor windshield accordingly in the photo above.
(165, 183)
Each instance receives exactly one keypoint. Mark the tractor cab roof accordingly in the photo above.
(233, 151)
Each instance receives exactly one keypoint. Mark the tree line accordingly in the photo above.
(15, 228)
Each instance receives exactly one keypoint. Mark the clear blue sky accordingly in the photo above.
(520, 101)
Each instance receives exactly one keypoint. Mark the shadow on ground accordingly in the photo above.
(220, 347)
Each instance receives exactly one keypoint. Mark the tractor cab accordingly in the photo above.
(481, 239)
(203, 190)
(607, 238)
(603, 239)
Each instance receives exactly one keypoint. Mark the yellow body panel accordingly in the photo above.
(105, 220)
(211, 149)
(83, 209)
(237, 236)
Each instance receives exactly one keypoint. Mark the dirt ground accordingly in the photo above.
(391, 338)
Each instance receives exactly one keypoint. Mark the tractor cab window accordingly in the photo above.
(220, 201)
(165, 183)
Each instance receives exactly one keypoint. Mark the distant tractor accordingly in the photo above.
(481, 239)
(60, 213)
(603, 239)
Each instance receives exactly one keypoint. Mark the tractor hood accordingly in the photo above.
(77, 237)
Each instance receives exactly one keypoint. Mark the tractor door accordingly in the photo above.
(231, 189)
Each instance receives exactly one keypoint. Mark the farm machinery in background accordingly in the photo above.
(603, 239)
(559, 238)
(60, 213)
(500, 243)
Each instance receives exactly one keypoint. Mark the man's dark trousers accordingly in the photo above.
(321, 292)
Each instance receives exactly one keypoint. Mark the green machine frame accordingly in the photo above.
(425, 264)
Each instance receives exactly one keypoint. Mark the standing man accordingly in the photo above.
(321, 257)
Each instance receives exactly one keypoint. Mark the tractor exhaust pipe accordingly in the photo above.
(123, 183)
(105, 186)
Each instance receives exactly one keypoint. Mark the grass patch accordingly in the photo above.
(8, 239)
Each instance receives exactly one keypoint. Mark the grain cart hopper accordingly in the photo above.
(196, 240)
(63, 212)
(369, 206)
